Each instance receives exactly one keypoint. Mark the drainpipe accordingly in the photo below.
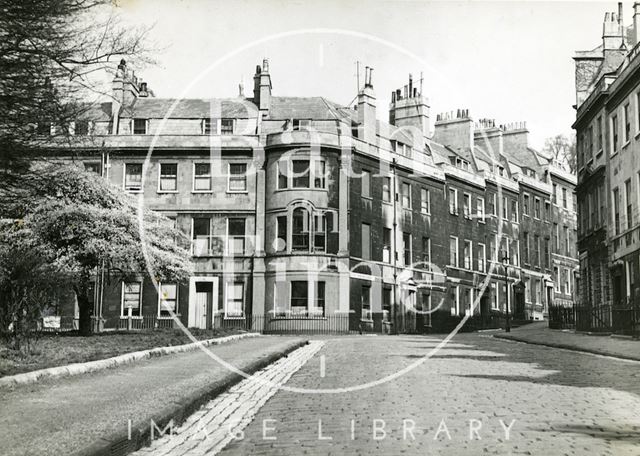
(394, 307)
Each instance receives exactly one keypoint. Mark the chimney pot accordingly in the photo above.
(265, 65)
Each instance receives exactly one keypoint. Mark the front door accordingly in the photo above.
(202, 293)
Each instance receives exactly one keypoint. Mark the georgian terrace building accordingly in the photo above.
(608, 132)
(299, 209)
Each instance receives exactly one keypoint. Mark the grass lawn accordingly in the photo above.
(59, 349)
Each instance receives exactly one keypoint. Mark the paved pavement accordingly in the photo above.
(556, 402)
(58, 417)
(539, 333)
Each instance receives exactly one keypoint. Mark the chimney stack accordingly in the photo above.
(367, 110)
(262, 86)
(410, 109)
(613, 30)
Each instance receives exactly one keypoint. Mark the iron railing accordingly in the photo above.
(562, 317)
(622, 318)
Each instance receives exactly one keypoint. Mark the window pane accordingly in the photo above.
(299, 293)
(300, 230)
(133, 176)
(202, 179)
(139, 126)
(237, 177)
(236, 227)
(386, 189)
(131, 298)
(282, 174)
(168, 298)
(301, 173)
(168, 176)
(227, 126)
(201, 236)
(282, 233)
(366, 184)
(319, 175)
(366, 241)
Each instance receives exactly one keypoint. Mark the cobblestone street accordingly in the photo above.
(459, 401)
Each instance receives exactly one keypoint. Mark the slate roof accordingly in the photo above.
(190, 108)
(100, 112)
(317, 108)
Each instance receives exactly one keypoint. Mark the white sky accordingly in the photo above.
(511, 61)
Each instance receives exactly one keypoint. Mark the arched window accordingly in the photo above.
(300, 229)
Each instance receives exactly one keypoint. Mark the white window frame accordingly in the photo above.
(613, 130)
(457, 257)
(387, 180)
(468, 264)
(495, 302)
(160, 164)
(482, 257)
(227, 250)
(404, 249)
(625, 117)
(210, 236)
(425, 201)
(466, 198)
(505, 208)
(124, 177)
(246, 181)
(214, 126)
(133, 126)
(301, 124)
(455, 201)
(160, 285)
(227, 316)
(402, 196)
(480, 213)
(457, 303)
(637, 113)
(526, 208)
(122, 307)
(193, 181)
(233, 126)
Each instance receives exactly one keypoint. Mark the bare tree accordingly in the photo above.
(563, 151)
(51, 52)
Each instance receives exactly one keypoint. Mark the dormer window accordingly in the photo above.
(301, 124)
(139, 126)
(400, 148)
(462, 164)
(226, 126)
(209, 126)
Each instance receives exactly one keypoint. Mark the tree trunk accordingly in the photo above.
(84, 308)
